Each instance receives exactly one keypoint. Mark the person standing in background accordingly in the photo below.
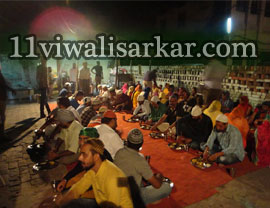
(42, 80)
(149, 77)
(3, 102)
(84, 79)
(50, 81)
(99, 74)
(73, 75)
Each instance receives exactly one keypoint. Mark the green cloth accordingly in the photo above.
(90, 132)
(157, 113)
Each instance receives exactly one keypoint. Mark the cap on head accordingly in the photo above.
(87, 100)
(102, 109)
(96, 145)
(222, 118)
(140, 98)
(119, 92)
(109, 114)
(96, 101)
(89, 132)
(64, 116)
(135, 136)
(111, 89)
(196, 111)
(155, 99)
(67, 84)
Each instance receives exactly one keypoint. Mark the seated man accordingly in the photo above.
(90, 111)
(96, 120)
(157, 110)
(133, 163)
(194, 129)
(143, 110)
(78, 171)
(108, 181)
(74, 101)
(122, 102)
(107, 133)
(224, 145)
(169, 117)
(64, 103)
(86, 103)
(65, 92)
(66, 146)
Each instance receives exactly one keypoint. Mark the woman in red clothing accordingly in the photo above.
(237, 119)
(244, 103)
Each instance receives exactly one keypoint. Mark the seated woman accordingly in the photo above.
(77, 172)
(130, 91)
(135, 95)
(262, 139)
(244, 103)
(213, 111)
(237, 119)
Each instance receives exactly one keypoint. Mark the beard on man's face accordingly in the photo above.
(87, 167)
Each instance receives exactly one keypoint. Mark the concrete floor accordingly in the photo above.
(22, 188)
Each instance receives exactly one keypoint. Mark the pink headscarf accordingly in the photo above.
(125, 88)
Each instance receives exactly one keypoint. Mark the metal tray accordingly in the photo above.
(199, 163)
(157, 135)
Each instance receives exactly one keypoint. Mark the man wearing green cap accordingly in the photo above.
(85, 134)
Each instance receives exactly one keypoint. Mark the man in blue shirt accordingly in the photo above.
(224, 144)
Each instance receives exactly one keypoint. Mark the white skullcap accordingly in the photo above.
(111, 89)
(196, 111)
(86, 100)
(140, 98)
(119, 92)
(222, 118)
(96, 101)
(67, 84)
(155, 99)
(64, 116)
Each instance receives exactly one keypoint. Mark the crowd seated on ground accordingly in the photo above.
(220, 132)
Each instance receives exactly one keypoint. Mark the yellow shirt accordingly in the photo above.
(106, 184)
(166, 91)
(135, 102)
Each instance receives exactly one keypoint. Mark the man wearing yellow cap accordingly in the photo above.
(108, 181)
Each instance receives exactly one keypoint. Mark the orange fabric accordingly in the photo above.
(190, 184)
(237, 119)
(109, 114)
(93, 124)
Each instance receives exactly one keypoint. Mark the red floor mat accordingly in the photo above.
(191, 184)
